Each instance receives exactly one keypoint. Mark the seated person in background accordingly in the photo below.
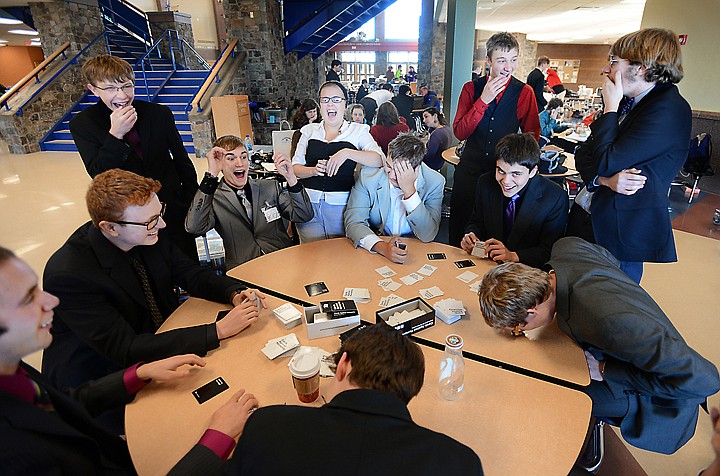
(307, 113)
(404, 103)
(388, 125)
(121, 131)
(440, 137)
(411, 75)
(365, 424)
(644, 377)
(247, 213)
(403, 198)
(356, 113)
(549, 118)
(45, 431)
(362, 90)
(430, 98)
(523, 217)
(115, 281)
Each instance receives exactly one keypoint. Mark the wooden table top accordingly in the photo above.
(450, 156)
(339, 265)
(497, 409)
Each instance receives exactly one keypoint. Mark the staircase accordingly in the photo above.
(160, 82)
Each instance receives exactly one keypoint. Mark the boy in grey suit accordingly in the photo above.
(247, 213)
(645, 378)
(402, 198)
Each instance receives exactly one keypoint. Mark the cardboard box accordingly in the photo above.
(427, 319)
(330, 327)
(231, 116)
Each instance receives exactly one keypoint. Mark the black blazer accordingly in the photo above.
(103, 323)
(539, 223)
(360, 432)
(159, 138)
(654, 137)
(67, 440)
(404, 105)
(646, 359)
(536, 80)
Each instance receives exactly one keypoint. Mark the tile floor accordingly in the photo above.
(42, 203)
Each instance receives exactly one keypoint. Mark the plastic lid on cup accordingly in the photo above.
(454, 341)
(304, 365)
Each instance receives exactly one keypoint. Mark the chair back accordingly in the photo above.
(699, 155)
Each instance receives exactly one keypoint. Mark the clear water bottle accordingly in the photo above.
(452, 368)
(248, 144)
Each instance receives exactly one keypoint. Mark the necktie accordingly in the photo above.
(625, 106)
(133, 138)
(141, 272)
(42, 398)
(510, 215)
(246, 204)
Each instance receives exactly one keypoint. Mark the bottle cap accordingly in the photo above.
(454, 341)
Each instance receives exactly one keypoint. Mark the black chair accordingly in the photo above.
(698, 165)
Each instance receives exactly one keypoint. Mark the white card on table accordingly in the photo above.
(427, 269)
(390, 300)
(357, 294)
(276, 347)
(431, 293)
(385, 272)
(389, 285)
(467, 276)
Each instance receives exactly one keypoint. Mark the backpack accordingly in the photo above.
(699, 154)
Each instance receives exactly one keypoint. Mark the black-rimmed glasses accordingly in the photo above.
(148, 224)
(335, 99)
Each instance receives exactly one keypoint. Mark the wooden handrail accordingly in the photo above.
(213, 72)
(19, 85)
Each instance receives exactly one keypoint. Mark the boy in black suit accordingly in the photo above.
(365, 428)
(44, 431)
(522, 218)
(126, 133)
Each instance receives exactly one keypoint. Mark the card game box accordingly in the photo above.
(423, 315)
(336, 309)
(319, 324)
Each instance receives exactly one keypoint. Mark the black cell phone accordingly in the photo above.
(433, 256)
(464, 263)
(222, 314)
(402, 246)
(209, 390)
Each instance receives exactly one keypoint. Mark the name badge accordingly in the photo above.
(271, 214)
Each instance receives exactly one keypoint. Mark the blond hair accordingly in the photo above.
(107, 68)
(655, 48)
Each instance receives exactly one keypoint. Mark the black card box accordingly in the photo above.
(338, 309)
(427, 319)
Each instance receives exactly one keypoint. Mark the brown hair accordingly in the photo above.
(433, 111)
(502, 41)
(407, 146)
(229, 142)
(107, 68)
(554, 103)
(6, 255)
(111, 192)
(543, 60)
(656, 49)
(520, 149)
(508, 291)
(300, 119)
(387, 115)
(383, 359)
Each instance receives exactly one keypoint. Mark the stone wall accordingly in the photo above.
(527, 58)
(56, 23)
(182, 23)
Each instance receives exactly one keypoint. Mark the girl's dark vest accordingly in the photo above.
(343, 181)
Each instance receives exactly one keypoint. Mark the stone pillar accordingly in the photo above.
(182, 23)
(526, 56)
(431, 54)
(79, 23)
(459, 51)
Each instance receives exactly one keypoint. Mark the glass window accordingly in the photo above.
(402, 20)
(366, 32)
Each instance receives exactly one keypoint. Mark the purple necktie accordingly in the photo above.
(133, 138)
(510, 215)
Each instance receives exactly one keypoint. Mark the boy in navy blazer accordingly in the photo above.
(518, 213)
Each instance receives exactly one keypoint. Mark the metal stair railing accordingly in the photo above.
(35, 73)
(139, 27)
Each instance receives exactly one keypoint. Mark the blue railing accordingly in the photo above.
(129, 18)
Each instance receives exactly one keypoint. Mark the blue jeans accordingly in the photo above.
(327, 223)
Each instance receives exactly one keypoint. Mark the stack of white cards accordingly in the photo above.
(357, 294)
(480, 249)
(411, 279)
(279, 346)
(431, 293)
(390, 300)
(427, 269)
(449, 310)
(288, 315)
(402, 316)
(385, 272)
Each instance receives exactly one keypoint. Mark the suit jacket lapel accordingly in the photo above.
(529, 208)
(116, 265)
(229, 195)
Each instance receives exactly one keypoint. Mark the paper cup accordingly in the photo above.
(305, 371)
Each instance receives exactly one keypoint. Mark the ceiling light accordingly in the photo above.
(9, 21)
(24, 32)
